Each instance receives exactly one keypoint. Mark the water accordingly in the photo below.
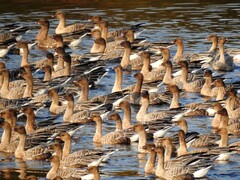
(193, 21)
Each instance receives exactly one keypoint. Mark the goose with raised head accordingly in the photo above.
(140, 129)
(63, 28)
(206, 89)
(35, 153)
(24, 46)
(17, 92)
(194, 86)
(77, 159)
(143, 115)
(170, 173)
(66, 71)
(223, 62)
(6, 135)
(149, 74)
(56, 106)
(115, 137)
(232, 104)
(43, 39)
(118, 79)
(151, 160)
(99, 44)
(70, 173)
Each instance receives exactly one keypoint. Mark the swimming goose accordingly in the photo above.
(149, 74)
(219, 91)
(79, 158)
(179, 52)
(70, 173)
(24, 46)
(168, 78)
(6, 136)
(10, 116)
(223, 62)
(151, 160)
(66, 71)
(125, 106)
(63, 28)
(56, 106)
(206, 89)
(221, 151)
(194, 86)
(214, 39)
(59, 40)
(99, 44)
(232, 128)
(142, 114)
(35, 153)
(81, 116)
(170, 173)
(232, 104)
(115, 137)
(17, 92)
(140, 129)
(43, 39)
(118, 79)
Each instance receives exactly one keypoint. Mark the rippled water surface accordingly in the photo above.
(193, 21)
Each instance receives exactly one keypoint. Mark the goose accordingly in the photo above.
(118, 79)
(179, 53)
(206, 89)
(66, 71)
(81, 116)
(219, 91)
(56, 171)
(115, 137)
(56, 106)
(24, 46)
(232, 104)
(151, 160)
(17, 92)
(6, 136)
(194, 86)
(223, 62)
(80, 158)
(142, 114)
(149, 74)
(43, 39)
(35, 153)
(221, 151)
(99, 45)
(197, 170)
(63, 28)
(140, 129)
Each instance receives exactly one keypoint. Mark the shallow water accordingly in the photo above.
(193, 21)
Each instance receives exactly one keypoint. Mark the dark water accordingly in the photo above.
(192, 20)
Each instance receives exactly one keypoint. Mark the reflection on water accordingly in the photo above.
(193, 21)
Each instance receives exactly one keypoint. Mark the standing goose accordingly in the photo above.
(70, 173)
(115, 137)
(35, 153)
(223, 62)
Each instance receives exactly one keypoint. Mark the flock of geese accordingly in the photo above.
(62, 81)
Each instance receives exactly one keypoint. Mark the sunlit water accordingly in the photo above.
(193, 21)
